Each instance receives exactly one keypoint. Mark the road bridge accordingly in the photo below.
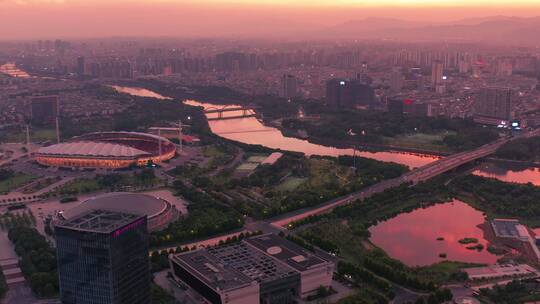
(246, 111)
(415, 176)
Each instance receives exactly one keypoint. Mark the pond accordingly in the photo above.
(412, 237)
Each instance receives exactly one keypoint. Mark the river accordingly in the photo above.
(412, 237)
(511, 174)
(250, 130)
(140, 92)
(409, 237)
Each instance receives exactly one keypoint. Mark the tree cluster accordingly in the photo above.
(207, 216)
(37, 260)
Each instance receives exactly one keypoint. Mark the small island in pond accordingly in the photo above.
(468, 240)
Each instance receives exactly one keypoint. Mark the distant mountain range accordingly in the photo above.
(488, 29)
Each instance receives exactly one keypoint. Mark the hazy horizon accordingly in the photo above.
(48, 19)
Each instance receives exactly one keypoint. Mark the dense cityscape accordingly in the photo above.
(379, 160)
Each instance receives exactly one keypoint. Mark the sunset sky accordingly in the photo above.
(30, 19)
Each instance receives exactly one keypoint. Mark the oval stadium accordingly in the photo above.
(159, 211)
(107, 150)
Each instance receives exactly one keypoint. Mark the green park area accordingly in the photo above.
(422, 141)
(500, 199)
(522, 149)
(36, 135)
(295, 182)
(357, 127)
(251, 163)
(111, 182)
(79, 186)
(290, 183)
(13, 180)
(518, 291)
(345, 233)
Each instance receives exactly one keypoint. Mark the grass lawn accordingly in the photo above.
(252, 162)
(80, 185)
(445, 271)
(218, 156)
(18, 180)
(323, 172)
(290, 183)
(36, 135)
(247, 166)
(211, 151)
(419, 141)
(257, 158)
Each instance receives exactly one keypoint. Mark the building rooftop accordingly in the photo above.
(92, 149)
(107, 134)
(211, 271)
(509, 228)
(272, 159)
(286, 251)
(99, 220)
(262, 259)
(251, 262)
(137, 203)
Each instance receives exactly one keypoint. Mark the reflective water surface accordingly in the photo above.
(513, 174)
(412, 237)
(139, 92)
(251, 131)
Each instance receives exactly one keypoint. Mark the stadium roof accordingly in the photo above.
(136, 203)
(91, 148)
(126, 133)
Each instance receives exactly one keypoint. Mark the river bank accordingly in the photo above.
(268, 133)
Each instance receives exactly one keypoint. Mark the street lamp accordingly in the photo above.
(351, 133)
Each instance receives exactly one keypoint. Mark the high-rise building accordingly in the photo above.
(103, 258)
(437, 73)
(288, 86)
(44, 109)
(81, 66)
(364, 67)
(342, 93)
(231, 62)
(440, 88)
(493, 104)
(463, 66)
(526, 65)
(396, 80)
(504, 67)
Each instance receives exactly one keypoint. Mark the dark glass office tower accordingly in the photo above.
(103, 258)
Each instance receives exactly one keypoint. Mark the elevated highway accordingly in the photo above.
(451, 162)
(415, 176)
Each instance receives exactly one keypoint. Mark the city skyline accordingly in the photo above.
(269, 152)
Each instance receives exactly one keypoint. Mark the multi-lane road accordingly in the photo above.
(413, 177)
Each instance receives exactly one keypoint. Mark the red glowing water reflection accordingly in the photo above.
(252, 131)
(412, 237)
(528, 175)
